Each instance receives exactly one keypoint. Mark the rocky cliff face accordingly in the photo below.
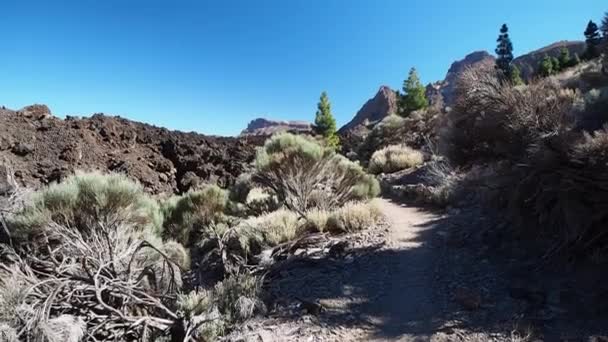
(40, 148)
(442, 93)
(265, 127)
(374, 110)
(472, 60)
(528, 63)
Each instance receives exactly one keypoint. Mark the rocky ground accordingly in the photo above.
(41, 148)
(427, 276)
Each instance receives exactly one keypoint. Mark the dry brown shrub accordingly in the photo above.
(493, 119)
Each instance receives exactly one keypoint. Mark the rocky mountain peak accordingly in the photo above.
(472, 60)
(375, 109)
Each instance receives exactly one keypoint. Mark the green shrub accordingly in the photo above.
(394, 158)
(295, 169)
(187, 215)
(260, 202)
(353, 217)
(88, 199)
(275, 227)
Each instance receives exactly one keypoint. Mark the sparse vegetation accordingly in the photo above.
(394, 158)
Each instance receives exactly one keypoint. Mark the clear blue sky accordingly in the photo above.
(211, 66)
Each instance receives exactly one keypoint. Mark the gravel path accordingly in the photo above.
(407, 308)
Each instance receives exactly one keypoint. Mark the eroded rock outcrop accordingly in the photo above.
(266, 127)
(374, 110)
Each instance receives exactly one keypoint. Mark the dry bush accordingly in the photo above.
(300, 173)
(394, 158)
(108, 277)
(187, 215)
(494, 120)
(353, 217)
(591, 110)
(231, 301)
(442, 184)
(93, 265)
(561, 190)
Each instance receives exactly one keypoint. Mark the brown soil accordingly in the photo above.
(41, 148)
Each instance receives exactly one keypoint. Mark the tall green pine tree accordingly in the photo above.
(504, 51)
(414, 94)
(545, 67)
(593, 39)
(325, 123)
(564, 58)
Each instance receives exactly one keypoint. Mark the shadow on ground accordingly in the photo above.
(456, 272)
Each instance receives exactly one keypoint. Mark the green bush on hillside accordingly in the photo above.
(188, 214)
(300, 172)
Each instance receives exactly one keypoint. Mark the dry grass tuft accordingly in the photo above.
(275, 227)
(354, 217)
(394, 158)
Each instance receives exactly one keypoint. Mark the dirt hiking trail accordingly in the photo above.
(383, 289)
(407, 307)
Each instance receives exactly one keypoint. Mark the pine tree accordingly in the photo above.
(414, 94)
(516, 76)
(545, 67)
(557, 67)
(325, 123)
(564, 58)
(604, 27)
(593, 39)
(504, 51)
